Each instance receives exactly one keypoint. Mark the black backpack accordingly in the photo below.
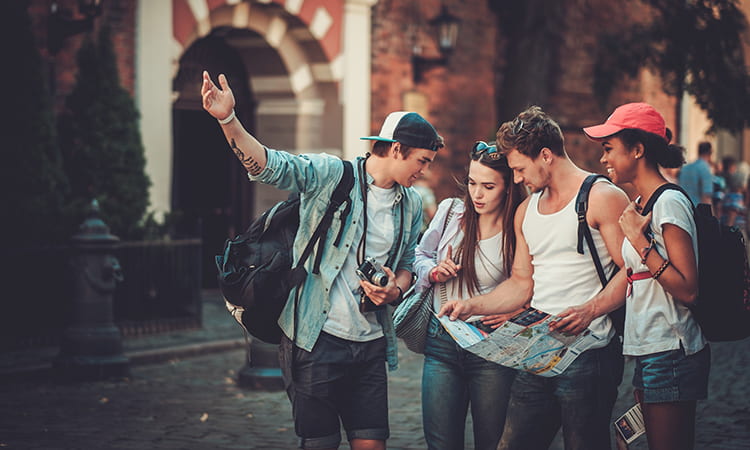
(255, 268)
(722, 308)
(584, 233)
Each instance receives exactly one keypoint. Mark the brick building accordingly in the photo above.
(315, 75)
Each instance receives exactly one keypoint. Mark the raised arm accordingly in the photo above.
(508, 296)
(220, 104)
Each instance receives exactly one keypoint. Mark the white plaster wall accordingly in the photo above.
(153, 90)
(355, 84)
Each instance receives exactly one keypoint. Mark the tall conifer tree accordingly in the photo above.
(104, 155)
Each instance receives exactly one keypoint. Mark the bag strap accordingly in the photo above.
(298, 273)
(649, 206)
(443, 292)
(584, 232)
(339, 196)
(655, 196)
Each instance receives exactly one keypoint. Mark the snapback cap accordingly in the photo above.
(641, 116)
(408, 128)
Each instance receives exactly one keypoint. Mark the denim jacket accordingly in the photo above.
(315, 176)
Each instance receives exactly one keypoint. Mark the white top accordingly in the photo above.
(434, 248)
(562, 276)
(345, 320)
(654, 321)
(488, 264)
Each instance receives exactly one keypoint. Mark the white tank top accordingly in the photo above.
(562, 276)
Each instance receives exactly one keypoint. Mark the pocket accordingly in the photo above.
(434, 328)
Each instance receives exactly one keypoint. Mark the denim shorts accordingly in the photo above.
(672, 376)
(339, 379)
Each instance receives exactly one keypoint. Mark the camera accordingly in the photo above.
(371, 271)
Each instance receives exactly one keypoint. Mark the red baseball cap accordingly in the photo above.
(630, 115)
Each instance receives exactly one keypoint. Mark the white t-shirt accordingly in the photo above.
(654, 321)
(344, 319)
(488, 264)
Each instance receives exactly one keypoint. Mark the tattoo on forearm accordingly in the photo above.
(250, 164)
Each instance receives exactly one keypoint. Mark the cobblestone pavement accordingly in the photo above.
(196, 403)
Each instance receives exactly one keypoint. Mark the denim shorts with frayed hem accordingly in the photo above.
(672, 376)
(339, 380)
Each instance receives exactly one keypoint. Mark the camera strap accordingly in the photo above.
(361, 250)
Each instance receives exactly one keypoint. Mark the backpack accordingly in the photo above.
(722, 308)
(584, 233)
(255, 268)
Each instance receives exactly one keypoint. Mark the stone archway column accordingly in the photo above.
(153, 91)
(355, 85)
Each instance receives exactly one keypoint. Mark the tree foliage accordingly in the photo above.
(533, 31)
(33, 189)
(695, 46)
(104, 155)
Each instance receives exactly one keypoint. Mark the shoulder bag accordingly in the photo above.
(412, 316)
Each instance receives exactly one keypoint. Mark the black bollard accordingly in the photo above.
(91, 346)
(261, 370)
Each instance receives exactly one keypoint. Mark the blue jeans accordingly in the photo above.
(454, 378)
(580, 399)
(672, 376)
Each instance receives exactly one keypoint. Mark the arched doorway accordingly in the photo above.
(211, 195)
(279, 65)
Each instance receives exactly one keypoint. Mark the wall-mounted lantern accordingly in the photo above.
(446, 26)
(61, 24)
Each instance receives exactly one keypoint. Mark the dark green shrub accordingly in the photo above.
(32, 182)
(103, 151)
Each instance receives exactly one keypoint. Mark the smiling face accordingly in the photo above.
(486, 188)
(619, 161)
(410, 169)
(531, 172)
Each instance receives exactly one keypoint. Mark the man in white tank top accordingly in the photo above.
(549, 272)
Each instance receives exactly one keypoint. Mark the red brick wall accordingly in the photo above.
(119, 14)
(459, 96)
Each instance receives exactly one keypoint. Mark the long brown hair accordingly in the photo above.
(514, 195)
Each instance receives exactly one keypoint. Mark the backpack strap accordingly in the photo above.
(655, 196)
(298, 273)
(339, 196)
(649, 206)
(584, 232)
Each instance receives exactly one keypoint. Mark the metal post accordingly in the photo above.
(91, 346)
(262, 370)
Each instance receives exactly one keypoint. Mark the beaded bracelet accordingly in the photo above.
(661, 269)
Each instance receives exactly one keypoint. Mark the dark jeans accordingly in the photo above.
(453, 379)
(580, 400)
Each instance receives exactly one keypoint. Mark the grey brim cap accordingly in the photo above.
(408, 128)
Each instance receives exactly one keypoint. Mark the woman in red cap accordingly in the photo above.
(660, 253)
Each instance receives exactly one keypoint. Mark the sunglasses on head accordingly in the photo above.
(519, 127)
(481, 147)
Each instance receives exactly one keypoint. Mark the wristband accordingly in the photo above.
(227, 119)
(400, 297)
